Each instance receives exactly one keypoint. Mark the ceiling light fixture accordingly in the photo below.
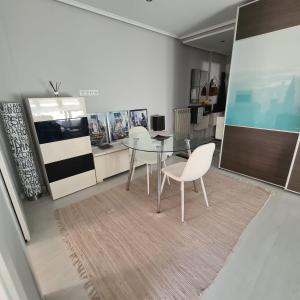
(148, 0)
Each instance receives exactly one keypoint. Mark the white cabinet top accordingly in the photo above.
(116, 147)
(45, 109)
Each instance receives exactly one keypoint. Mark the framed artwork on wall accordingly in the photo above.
(118, 125)
(98, 129)
(139, 117)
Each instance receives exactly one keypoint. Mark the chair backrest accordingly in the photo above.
(199, 162)
(140, 133)
(144, 141)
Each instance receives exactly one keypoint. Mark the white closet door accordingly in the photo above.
(16, 202)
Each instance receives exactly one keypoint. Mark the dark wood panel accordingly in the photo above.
(69, 167)
(263, 154)
(60, 130)
(266, 16)
(294, 184)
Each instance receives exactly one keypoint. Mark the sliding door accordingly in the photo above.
(263, 108)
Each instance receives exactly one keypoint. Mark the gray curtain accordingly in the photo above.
(15, 128)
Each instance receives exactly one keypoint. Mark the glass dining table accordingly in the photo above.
(162, 145)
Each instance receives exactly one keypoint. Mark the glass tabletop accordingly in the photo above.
(171, 143)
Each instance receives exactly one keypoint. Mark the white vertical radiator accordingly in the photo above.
(182, 121)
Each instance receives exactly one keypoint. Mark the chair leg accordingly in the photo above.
(204, 192)
(132, 173)
(151, 169)
(182, 201)
(167, 176)
(148, 179)
(163, 183)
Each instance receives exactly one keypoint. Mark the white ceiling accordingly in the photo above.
(204, 24)
(174, 17)
(219, 42)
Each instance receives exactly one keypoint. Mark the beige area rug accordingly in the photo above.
(124, 250)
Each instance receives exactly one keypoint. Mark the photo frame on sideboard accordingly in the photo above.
(139, 117)
(98, 129)
(118, 125)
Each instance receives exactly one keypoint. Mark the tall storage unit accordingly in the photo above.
(262, 121)
(62, 135)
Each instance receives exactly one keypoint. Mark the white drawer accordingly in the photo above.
(111, 164)
(69, 185)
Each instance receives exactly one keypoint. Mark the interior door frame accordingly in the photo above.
(16, 203)
(8, 288)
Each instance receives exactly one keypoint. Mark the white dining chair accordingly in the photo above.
(145, 157)
(195, 168)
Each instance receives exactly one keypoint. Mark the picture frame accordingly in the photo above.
(118, 125)
(98, 128)
(139, 117)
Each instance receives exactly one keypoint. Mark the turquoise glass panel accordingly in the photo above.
(264, 88)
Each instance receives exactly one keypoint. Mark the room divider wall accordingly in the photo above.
(262, 121)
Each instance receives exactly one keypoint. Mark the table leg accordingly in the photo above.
(159, 154)
(195, 186)
(130, 169)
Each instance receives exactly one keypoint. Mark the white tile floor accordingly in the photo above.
(265, 264)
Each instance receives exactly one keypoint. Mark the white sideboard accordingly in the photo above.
(111, 161)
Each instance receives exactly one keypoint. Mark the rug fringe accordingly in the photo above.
(76, 261)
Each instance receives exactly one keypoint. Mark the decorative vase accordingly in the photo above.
(15, 128)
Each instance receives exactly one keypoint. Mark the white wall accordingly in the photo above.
(9, 90)
(131, 67)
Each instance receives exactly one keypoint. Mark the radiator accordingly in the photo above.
(182, 121)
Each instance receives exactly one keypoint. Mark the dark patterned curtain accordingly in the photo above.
(15, 128)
